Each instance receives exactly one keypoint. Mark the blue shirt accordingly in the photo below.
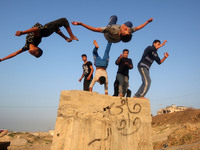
(150, 54)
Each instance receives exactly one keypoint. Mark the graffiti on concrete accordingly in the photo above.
(109, 132)
(127, 125)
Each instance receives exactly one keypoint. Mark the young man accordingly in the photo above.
(101, 64)
(37, 32)
(150, 54)
(115, 33)
(87, 73)
(125, 64)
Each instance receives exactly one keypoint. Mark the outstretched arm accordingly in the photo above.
(12, 55)
(143, 25)
(34, 29)
(86, 26)
(161, 44)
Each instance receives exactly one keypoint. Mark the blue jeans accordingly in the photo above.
(146, 82)
(98, 61)
(113, 20)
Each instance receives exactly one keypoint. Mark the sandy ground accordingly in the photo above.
(177, 131)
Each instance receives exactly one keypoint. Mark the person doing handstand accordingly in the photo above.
(101, 64)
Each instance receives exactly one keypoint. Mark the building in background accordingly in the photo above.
(170, 109)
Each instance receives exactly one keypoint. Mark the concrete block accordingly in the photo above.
(92, 121)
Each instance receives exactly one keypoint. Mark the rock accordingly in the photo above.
(18, 142)
(92, 121)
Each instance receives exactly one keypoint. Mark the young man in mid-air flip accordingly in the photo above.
(115, 33)
(37, 32)
(101, 64)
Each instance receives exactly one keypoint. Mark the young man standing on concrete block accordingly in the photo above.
(87, 72)
(125, 64)
(150, 54)
(101, 65)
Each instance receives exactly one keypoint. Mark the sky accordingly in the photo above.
(30, 88)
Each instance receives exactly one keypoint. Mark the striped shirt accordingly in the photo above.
(150, 54)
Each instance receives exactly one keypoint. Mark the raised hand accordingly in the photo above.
(150, 20)
(166, 54)
(164, 42)
(88, 78)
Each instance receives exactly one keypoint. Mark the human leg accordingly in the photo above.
(120, 78)
(113, 20)
(68, 28)
(106, 53)
(116, 88)
(125, 85)
(146, 82)
(128, 93)
(55, 25)
(97, 58)
(86, 84)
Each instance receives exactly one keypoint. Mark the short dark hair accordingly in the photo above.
(126, 38)
(40, 52)
(156, 41)
(102, 80)
(83, 55)
(125, 50)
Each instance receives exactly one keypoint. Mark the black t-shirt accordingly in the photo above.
(44, 31)
(123, 68)
(87, 69)
(150, 54)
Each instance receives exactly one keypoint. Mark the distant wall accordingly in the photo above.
(91, 121)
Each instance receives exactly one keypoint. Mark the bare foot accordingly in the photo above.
(140, 97)
(120, 95)
(143, 98)
(73, 38)
(95, 43)
(69, 40)
(18, 33)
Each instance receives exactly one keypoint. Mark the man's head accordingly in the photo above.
(125, 33)
(156, 43)
(125, 53)
(36, 52)
(102, 80)
(84, 57)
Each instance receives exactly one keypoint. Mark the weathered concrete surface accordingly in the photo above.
(92, 121)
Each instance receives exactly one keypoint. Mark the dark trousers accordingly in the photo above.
(116, 89)
(86, 83)
(113, 20)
